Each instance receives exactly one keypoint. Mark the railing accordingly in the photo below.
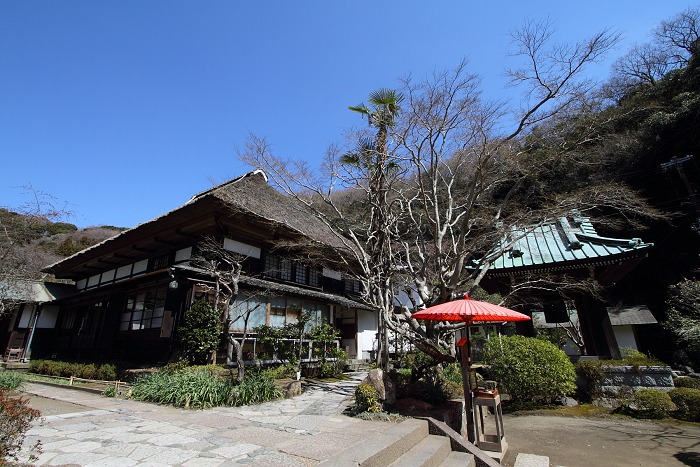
(251, 355)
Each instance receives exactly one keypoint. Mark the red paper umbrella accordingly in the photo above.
(467, 311)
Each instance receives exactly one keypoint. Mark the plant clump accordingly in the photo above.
(652, 403)
(687, 402)
(15, 420)
(530, 369)
(104, 372)
(199, 387)
(10, 380)
(687, 382)
(367, 399)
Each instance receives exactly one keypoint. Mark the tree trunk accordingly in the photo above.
(233, 344)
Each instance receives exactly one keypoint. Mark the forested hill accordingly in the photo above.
(29, 242)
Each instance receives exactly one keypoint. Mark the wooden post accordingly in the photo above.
(465, 363)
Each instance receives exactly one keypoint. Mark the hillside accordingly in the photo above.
(29, 242)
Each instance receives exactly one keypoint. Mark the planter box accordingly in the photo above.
(654, 377)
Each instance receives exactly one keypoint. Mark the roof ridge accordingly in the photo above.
(229, 182)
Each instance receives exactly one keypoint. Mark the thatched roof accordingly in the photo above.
(249, 196)
(252, 194)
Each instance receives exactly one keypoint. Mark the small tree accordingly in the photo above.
(200, 332)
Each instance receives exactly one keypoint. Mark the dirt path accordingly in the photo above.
(584, 442)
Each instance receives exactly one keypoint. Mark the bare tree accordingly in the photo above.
(20, 258)
(454, 173)
(225, 268)
(671, 47)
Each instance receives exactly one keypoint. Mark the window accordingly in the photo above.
(248, 308)
(352, 285)
(292, 271)
(279, 268)
(144, 310)
(278, 310)
(159, 263)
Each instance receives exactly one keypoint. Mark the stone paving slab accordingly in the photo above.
(114, 432)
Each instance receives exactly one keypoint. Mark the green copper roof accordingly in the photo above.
(560, 243)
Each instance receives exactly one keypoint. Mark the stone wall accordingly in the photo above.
(655, 377)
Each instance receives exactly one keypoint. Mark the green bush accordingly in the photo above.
(367, 399)
(529, 368)
(282, 371)
(200, 333)
(652, 403)
(687, 402)
(10, 380)
(15, 419)
(589, 378)
(687, 382)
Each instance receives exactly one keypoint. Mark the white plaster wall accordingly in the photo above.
(366, 332)
(624, 335)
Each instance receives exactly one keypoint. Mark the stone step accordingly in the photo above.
(384, 448)
(431, 451)
(459, 459)
(531, 460)
(404, 444)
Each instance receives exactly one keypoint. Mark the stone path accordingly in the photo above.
(112, 432)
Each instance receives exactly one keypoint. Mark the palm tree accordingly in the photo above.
(371, 156)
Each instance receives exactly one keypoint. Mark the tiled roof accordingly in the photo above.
(560, 243)
(630, 314)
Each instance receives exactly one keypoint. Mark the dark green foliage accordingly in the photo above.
(687, 382)
(198, 387)
(590, 376)
(15, 419)
(652, 403)
(530, 369)
(105, 372)
(367, 399)
(687, 402)
(200, 333)
(10, 380)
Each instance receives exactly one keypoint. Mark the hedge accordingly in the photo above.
(687, 401)
(104, 372)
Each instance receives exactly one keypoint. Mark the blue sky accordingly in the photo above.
(122, 110)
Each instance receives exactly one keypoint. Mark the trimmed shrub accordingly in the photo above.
(687, 402)
(367, 399)
(105, 372)
(687, 382)
(15, 419)
(200, 332)
(10, 380)
(529, 368)
(652, 403)
(589, 379)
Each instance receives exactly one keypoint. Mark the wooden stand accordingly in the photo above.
(495, 445)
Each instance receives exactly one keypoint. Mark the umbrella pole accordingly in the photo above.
(465, 363)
